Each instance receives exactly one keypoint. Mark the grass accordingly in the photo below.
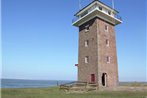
(54, 92)
(134, 84)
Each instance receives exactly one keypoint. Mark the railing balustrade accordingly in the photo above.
(90, 10)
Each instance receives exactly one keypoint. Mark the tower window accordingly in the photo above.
(108, 59)
(109, 12)
(86, 59)
(100, 8)
(106, 28)
(83, 14)
(107, 42)
(86, 28)
(86, 43)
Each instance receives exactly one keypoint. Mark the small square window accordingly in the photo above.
(86, 43)
(108, 59)
(87, 28)
(106, 28)
(109, 12)
(86, 59)
(100, 8)
(107, 42)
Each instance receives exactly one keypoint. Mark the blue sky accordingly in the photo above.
(39, 41)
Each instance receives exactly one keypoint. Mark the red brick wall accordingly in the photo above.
(97, 52)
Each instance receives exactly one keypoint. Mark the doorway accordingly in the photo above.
(104, 79)
(93, 78)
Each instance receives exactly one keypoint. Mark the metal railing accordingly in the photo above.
(118, 17)
(76, 18)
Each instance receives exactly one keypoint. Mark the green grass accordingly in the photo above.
(134, 84)
(54, 92)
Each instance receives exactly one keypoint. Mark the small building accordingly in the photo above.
(97, 58)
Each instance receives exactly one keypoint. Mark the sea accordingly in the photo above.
(20, 83)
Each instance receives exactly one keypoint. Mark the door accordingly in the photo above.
(93, 78)
(104, 79)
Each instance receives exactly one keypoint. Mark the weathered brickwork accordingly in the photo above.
(98, 53)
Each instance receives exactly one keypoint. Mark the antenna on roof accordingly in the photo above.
(113, 4)
(79, 4)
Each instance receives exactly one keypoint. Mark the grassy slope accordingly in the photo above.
(134, 84)
(56, 93)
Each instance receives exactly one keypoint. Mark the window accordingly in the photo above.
(107, 42)
(83, 14)
(100, 8)
(87, 28)
(86, 43)
(106, 28)
(109, 12)
(86, 59)
(108, 59)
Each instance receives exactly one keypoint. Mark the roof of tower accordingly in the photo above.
(99, 2)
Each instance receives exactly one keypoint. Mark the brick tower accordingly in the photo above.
(97, 59)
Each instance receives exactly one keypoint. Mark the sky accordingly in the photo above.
(39, 41)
